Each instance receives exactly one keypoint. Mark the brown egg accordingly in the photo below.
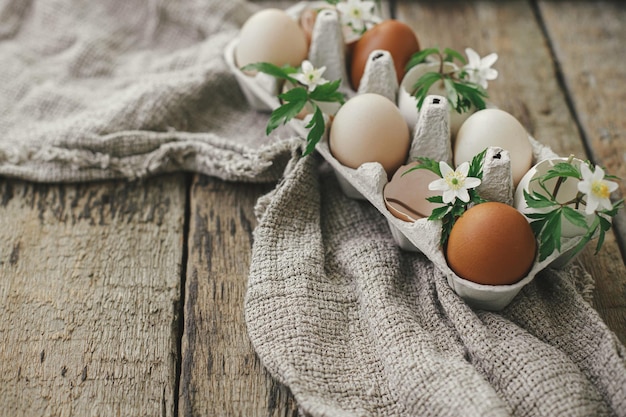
(390, 35)
(307, 22)
(492, 244)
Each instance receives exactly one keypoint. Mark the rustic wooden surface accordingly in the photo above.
(126, 299)
(89, 295)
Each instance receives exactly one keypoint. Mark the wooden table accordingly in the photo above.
(126, 299)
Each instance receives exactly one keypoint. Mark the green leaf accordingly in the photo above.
(600, 240)
(328, 92)
(453, 97)
(538, 225)
(575, 217)
(425, 163)
(537, 200)
(473, 93)
(423, 84)
(562, 169)
(451, 54)
(550, 236)
(273, 70)
(317, 128)
(420, 57)
(283, 114)
(458, 208)
(475, 197)
(439, 213)
(438, 199)
(295, 94)
(476, 166)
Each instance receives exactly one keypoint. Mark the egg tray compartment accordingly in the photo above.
(431, 139)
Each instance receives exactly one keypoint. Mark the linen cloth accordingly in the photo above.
(126, 89)
(353, 325)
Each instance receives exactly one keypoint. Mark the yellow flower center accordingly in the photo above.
(455, 180)
(600, 189)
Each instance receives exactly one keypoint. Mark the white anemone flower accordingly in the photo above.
(310, 76)
(596, 188)
(479, 69)
(356, 13)
(454, 184)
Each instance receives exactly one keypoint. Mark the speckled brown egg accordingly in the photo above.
(491, 243)
(390, 35)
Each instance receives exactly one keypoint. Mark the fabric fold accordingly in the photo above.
(356, 326)
(135, 89)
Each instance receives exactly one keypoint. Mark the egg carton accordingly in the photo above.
(431, 139)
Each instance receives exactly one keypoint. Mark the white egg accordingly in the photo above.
(271, 35)
(370, 128)
(493, 127)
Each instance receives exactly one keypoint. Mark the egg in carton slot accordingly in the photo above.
(431, 138)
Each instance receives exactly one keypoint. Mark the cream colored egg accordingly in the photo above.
(370, 128)
(494, 127)
(271, 35)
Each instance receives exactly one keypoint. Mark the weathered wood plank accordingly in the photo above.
(89, 286)
(528, 88)
(588, 42)
(221, 375)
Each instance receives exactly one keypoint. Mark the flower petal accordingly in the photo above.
(463, 194)
(471, 182)
(490, 74)
(489, 60)
(586, 172)
(584, 187)
(598, 174)
(473, 59)
(606, 203)
(449, 196)
(438, 185)
(301, 78)
(463, 169)
(592, 204)
(445, 168)
(306, 66)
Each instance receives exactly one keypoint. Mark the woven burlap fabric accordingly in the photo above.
(353, 325)
(357, 327)
(126, 89)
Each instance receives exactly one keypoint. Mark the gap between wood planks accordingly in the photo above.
(619, 221)
(179, 324)
(178, 329)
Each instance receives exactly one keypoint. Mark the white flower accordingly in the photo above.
(355, 14)
(310, 76)
(454, 183)
(479, 69)
(596, 188)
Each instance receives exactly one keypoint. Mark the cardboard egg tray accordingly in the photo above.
(431, 139)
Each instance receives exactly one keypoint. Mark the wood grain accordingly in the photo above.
(588, 42)
(221, 375)
(588, 39)
(527, 87)
(89, 286)
(90, 274)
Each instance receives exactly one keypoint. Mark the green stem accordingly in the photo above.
(560, 180)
